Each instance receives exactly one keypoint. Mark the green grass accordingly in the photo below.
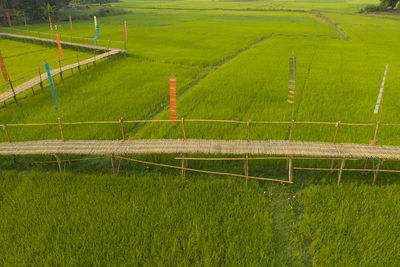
(228, 65)
(107, 220)
(349, 225)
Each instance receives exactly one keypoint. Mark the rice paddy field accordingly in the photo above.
(230, 60)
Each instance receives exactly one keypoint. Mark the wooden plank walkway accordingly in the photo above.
(37, 80)
(194, 146)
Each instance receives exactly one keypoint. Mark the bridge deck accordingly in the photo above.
(172, 146)
(35, 81)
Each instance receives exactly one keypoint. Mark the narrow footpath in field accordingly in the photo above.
(207, 73)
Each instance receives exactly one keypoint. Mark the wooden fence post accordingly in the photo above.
(33, 91)
(246, 168)
(79, 66)
(121, 121)
(61, 129)
(12, 88)
(291, 130)
(41, 82)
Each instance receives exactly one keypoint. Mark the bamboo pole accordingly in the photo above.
(41, 82)
(291, 130)
(59, 63)
(121, 121)
(61, 129)
(248, 130)
(260, 158)
(246, 169)
(6, 131)
(290, 170)
(12, 88)
(79, 66)
(334, 141)
(341, 170)
(376, 172)
(58, 162)
(113, 163)
(183, 161)
(203, 171)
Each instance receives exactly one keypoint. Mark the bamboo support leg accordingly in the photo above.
(366, 163)
(119, 165)
(113, 164)
(246, 168)
(58, 162)
(376, 173)
(183, 165)
(290, 170)
(331, 166)
(341, 170)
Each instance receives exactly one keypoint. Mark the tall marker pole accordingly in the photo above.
(172, 100)
(51, 25)
(51, 84)
(380, 96)
(292, 82)
(126, 32)
(97, 34)
(59, 46)
(95, 22)
(3, 68)
(70, 23)
(9, 19)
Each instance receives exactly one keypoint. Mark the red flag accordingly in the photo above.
(172, 99)
(59, 46)
(8, 18)
(3, 68)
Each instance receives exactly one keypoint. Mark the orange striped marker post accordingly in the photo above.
(59, 46)
(172, 100)
(9, 19)
(292, 82)
(3, 68)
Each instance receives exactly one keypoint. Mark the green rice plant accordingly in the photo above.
(349, 225)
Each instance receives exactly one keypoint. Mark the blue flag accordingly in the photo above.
(51, 84)
(97, 34)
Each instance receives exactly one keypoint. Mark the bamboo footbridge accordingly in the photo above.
(249, 150)
(56, 71)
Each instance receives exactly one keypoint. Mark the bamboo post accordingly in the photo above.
(58, 162)
(121, 121)
(79, 66)
(375, 140)
(246, 168)
(41, 82)
(113, 163)
(341, 170)
(61, 129)
(248, 130)
(12, 88)
(183, 155)
(291, 130)
(290, 169)
(6, 131)
(376, 172)
(59, 63)
(94, 52)
(334, 141)
(33, 91)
